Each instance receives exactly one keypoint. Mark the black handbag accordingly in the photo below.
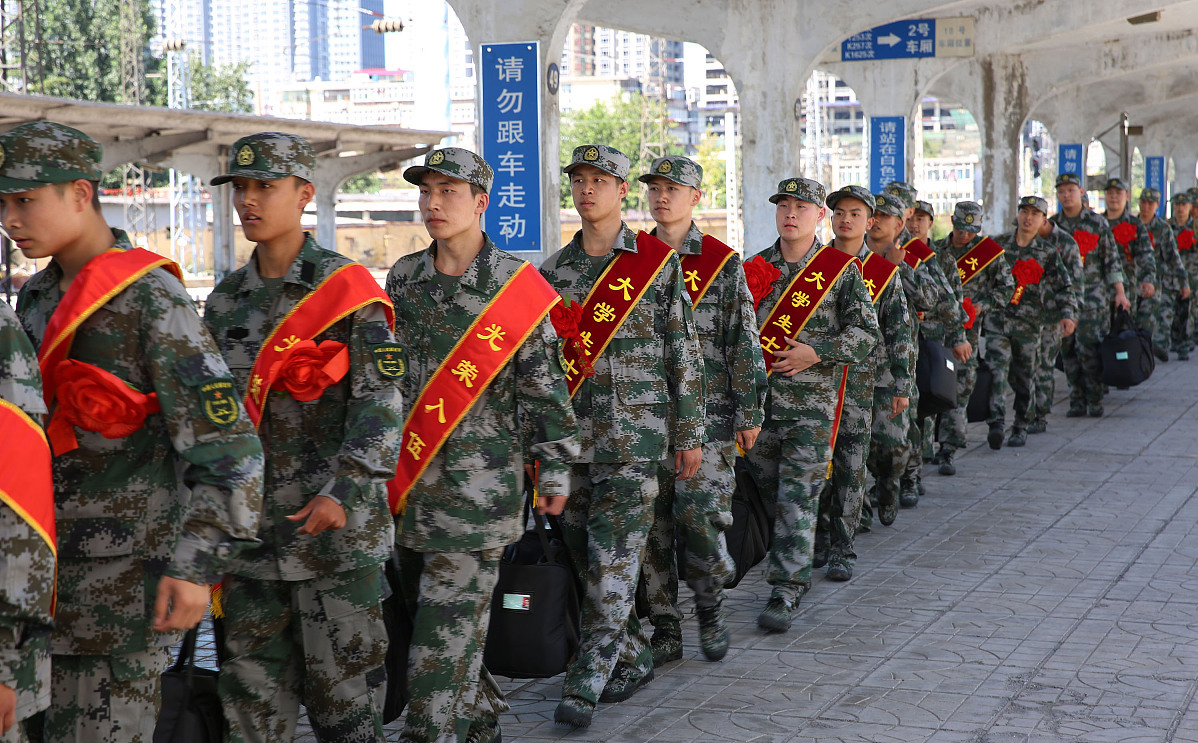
(936, 378)
(978, 408)
(1126, 352)
(398, 620)
(191, 710)
(752, 524)
(536, 609)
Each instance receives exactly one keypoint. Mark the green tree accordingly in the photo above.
(710, 155)
(365, 183)
(222, 88)
(618, 123)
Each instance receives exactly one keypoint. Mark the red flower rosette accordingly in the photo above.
(1087, 242)
(1027, 271)
(1124, 233)
(565, 316)
(1185, 241)
(761, 275)
(306, 368)
(971, 312)
(95, 400)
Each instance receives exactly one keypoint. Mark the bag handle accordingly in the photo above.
(186, 651)
(541, 523)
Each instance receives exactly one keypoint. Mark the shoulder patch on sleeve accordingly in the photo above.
(219, 400)
(390, 361)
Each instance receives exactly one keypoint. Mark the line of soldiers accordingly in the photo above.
(312, 424)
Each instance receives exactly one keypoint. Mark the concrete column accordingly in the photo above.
(1002, 85)
(892, 88)
(1184, 162)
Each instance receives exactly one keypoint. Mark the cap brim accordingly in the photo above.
(776, 197)
(572, 166)
(254, 175)
(836, 197)
(650, 176)
(16, 185)
(964, 227)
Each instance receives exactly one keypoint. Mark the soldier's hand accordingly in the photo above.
(1068, 326)
(1185, 292)
(552, 505)
(8, 709)
(687, 461)
(898, 405)
(963, 351)
(896, 255)
(796, 358)
(321, 513)
(180, 604)
(1147, 290)
(1122, 302)
(747, 438)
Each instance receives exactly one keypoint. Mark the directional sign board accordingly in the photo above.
(510, 134)
(914, 39)
(1154, 177)
(887, 151)
(1069, 160)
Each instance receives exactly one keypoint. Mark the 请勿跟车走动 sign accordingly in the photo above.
(510, 139)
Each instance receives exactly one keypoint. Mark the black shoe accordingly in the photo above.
(666, 645)
(624, 682)
(840, 570)
(909, 496)
(1037, 426)
(946, 462)
(994, 437)
(1160, 353)
(575, 712)
(1076, 411)
(713, 632)
(1018, 438)
(776, 616)
(919, 486)
(484, 731)
(1183, 355)
(1094, 411)
(888, 505)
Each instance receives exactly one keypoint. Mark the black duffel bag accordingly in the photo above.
(752, 524)
(191, 711)
(935, 378)
(397, 618)
(978, 408)
(1126, 352)
(536, 609)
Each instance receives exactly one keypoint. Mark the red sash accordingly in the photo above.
(978, 257)
(477, 358)
(344, 292)
(801, 299)
(26, 482)
(611, 300)
(699, 271)
(917, 251)
(877, 273)
(844, 380)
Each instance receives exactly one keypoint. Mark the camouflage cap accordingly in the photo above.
(269, 156)
(1182, 197)
(860, 193)
(1193, 192)
(681, 170)
(889, 203)
(903, 189)
(1035, 202)
(455, 162)
(926, 208)
(1118, 183)
(39, 153)
(967, 217)
(1150, 194)
(803, 189)
(1065, 179)
(608, 159)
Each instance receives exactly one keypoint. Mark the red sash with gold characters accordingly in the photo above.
(976, 260)
(917, 251)
(26, 482)
(699, 271)
(290, 344)
(610, 302)
(801, 299)
(477, 358)
(877, 273)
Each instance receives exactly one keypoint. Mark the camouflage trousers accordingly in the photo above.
(790, 465)
(699, 511)
(19, 732)
(1083, 362)
(319, 641)
(1155, 315)
(1014, 358)
(605, 527)
(889, 446)
(1046, 387)
(841, 496)
(449, 598)
(951, 426)
(1185, 320)
(914, 464)
(105, 698)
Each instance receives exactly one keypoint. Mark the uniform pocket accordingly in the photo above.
(638, 385)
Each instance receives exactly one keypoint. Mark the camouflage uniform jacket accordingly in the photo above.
(1170, 269)
(26, 562)
(646, 395)
(991, 288)
(1189, 258)
(123, 514)
(1102, 268)
(842, 330)
(945, 321)
(1071, 256)
(1043, 303)
(733, 369)
(1142, 263)
(469, 498)
(896, 350)
(344, 444)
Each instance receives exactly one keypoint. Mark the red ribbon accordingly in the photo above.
(1027, 271)
(1124, 234)
(971, 312)
(306, 369)
(1086, 243)
(95, 400)
(761, 275)
(1185, 241)
(565, 318)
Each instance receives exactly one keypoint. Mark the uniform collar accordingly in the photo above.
(302, 271)
(626, 240)
(692, 244)
(478, 273)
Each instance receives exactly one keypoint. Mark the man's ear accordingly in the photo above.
(307, 193)
(696, 196)
(81, 194)
(481, 202)
(623, 189)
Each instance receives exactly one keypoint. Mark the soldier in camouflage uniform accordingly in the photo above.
(644, 399)
(1013, 332)
(1103, 278)
(1138, 258)
(1185, 315)
(27, 570)
(148, 520)
(1050, 341)
(791, 460)
(987, 292)
(467, 505)
(1175, 281)
(303, 616)
(919, 224)
(842, 495)
(700, 509)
